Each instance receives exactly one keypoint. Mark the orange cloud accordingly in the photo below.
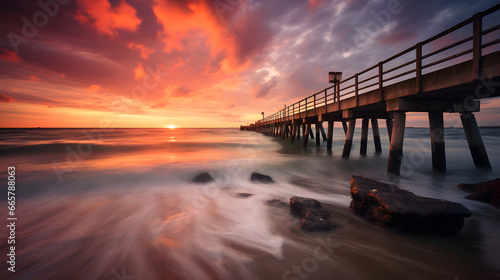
(94, 87)
(139, 72)
(34, 78)
(177, 91)
(145, 51)
(196, 24)
(5, 98)
(8, 55)
(107, 19)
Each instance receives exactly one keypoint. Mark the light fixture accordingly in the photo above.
(334, 77)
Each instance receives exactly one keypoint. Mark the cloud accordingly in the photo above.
(139, 72)
(5, 98)
(160, 105)
(105, 18)
(264, 89)
(177, 91)
(145, 51)
(94, 87)
(8, 55)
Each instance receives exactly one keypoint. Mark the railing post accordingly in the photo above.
(356, 89)
(326, 96)
(418, 67)
(314, 98)
(381, 79)
(306, 106)
(476, 45)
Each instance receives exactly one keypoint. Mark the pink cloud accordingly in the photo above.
(106, 19)
(8, 55)
(145, 51)
(94, 87)
(5, 98)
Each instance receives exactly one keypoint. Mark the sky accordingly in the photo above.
(198, 63)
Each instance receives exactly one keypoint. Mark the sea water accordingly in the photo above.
(120, 204)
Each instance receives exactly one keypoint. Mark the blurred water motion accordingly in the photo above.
(123, 205)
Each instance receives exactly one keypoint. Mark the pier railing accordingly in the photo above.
(415, 63)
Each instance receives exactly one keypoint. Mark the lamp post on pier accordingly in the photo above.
(335, 78)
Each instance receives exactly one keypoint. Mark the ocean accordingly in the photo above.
(120, 204)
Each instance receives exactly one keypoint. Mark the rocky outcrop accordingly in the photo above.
(314, 216)
(203, 178)
(404, 211)
(261, 178)
(485, 191)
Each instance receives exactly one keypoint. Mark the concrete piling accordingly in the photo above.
(348, 139)
(397, 138)
(364, 137)
(376, 136)
(436, 125)
(475, 141)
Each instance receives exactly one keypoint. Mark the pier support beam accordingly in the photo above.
(285, 131)
(436, 125)
(294, 133)
(322, 130)
(311, 134)
(476, 145)
(348, 138)
(376, 136)
(388, 123)
(329, 139)
(317, 134)
(344, 125)
(364, 137)
(397, 138)
(299, 126)
(307, 131)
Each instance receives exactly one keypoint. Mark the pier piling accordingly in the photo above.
(436, 125)
(364, 137)
(376, 136)
(348, 139)
(317, 134)
(330, 136)
(307, 131)
(475, 141)
(396, 152)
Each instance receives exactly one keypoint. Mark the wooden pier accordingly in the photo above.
(451, 79)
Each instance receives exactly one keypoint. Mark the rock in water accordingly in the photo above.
(404, 211)
(261, 178)
(276, 203)
(485, 191)
(203, 178)
(314, 216)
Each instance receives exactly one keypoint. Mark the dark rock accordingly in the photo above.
(485, 191)
(276, 203)
(301, 205)
(261, 178)
(244, 195)
(314, 222)
(203, 178)
(486, 196)
(314, 216)
(404, 211)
